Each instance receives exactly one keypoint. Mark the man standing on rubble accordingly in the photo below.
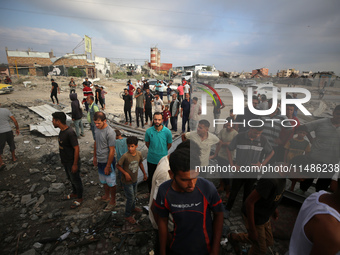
(158, 139)
(69, 155)
(6, 134)
(104, 158)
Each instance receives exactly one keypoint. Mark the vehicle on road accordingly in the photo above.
(6, 88)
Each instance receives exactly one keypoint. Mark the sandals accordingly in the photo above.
(75, 204)
(70, 196)
(131, 220)
(109, 207)
(234, 244)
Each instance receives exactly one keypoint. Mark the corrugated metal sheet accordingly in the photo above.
(46, 127)
(28, 54)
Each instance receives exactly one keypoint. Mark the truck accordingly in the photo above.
(201, 72)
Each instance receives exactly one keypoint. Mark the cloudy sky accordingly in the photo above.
(232, 35)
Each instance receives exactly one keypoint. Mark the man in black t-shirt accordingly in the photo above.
(127, 106)
(260, 205)
(69, 155)
(55, 89)
(148, 106)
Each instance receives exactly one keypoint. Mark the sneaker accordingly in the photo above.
(226, 214)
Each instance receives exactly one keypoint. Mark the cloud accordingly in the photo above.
(233, 35)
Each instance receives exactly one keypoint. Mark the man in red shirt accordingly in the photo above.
(87, 92)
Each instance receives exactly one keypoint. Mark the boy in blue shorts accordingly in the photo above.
(128, 165)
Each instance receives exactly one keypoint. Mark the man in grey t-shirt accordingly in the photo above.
(104, 158)
(6, 134)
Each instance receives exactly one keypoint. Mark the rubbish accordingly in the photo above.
(26, 141)
(224, 242)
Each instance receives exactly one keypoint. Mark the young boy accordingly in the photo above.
(295, 147)
(128, 165)
(121, 148)
(166, 116)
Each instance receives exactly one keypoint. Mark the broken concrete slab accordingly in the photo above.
(25, 198)
(31, 201)
(56, 188)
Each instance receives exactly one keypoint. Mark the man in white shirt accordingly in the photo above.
(159, 105)
(204, 139)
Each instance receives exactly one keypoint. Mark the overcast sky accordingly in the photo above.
(232, 35)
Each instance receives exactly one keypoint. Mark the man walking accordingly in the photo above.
(140, 107)
(158, 139)
(104, 158)
(54, 91)
(6, 134)
(69, 155)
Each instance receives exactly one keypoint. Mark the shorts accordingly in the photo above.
(110, 179)
(9, 138)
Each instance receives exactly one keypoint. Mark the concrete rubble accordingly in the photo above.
(34, 214)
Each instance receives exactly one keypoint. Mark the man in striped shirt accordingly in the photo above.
(248, 146)
(273, 125)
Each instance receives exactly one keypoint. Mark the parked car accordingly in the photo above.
(6, 88)
(152, 83)
(265, 89)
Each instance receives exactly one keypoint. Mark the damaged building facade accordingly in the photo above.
(45, 63)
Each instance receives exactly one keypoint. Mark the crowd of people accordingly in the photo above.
(187, 210)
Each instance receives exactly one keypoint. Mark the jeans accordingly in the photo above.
(92, 126)
(77, 185)
(148, 114)
(151, 171)
(161, 95)
(54, 95)
(216, 116)
(126, 111)
(185, 120)
(139, 114)
(236, 185)
(173, 121)
(130, 191)
(165, 123)
(79, 124)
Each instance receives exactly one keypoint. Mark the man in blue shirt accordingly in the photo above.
(191, 201)
(185, 112)
(158, 139)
